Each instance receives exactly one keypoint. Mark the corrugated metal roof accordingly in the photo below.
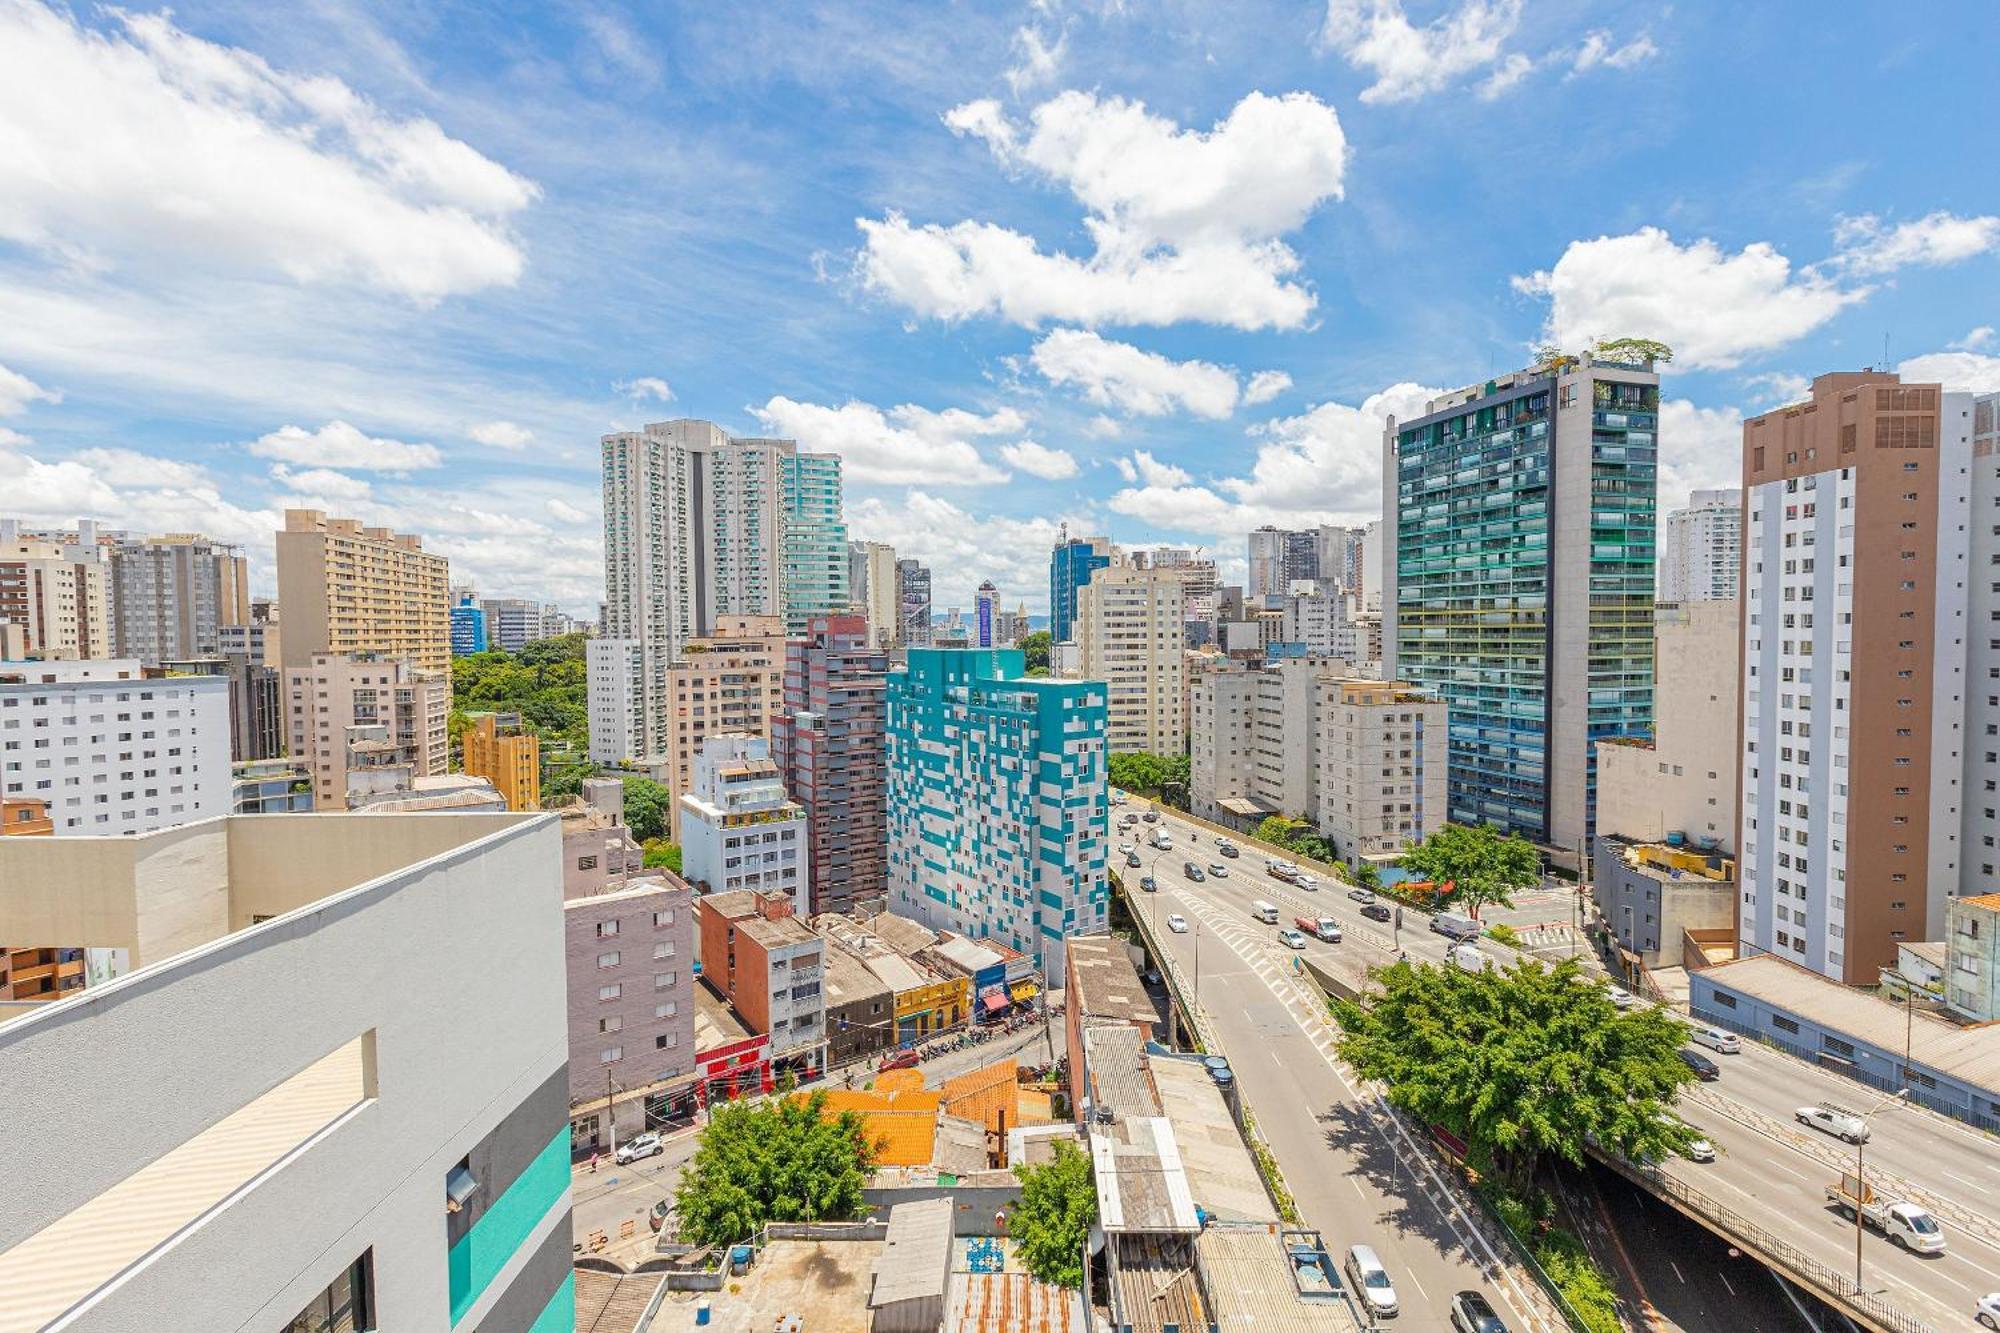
(1155, 1283)
(1141, 1185)
(1222, 1175)
(916, 1254)
(1115, 1065)
(1250, 1289)
(1011, 1303)
(1105, 982)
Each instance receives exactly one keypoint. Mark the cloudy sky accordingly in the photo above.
(1155, 269)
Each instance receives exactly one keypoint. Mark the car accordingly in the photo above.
(1364, 896)
(1716, 1039)
(1621, 997)
(1471, 1312)
(1377, 911)
(1704, 1068)
(640, 1147)
(1177, 924)
(661, 1211)
(1117, 797)
(1368, 1277)
(1292, 939)
(1218, 870)
(1147, 884)
(1987, 1311)
(1192, 871)
(1700, 1150)
(1306, 882)
(1227, 849)
(1152, 816)
(899, 1060)
(1467, 958)
(1132, 860)
(1838, 1121)
(1151, 976)
(1127, 848)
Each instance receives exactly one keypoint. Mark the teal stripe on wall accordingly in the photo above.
(485, 1250)
(559, 1315)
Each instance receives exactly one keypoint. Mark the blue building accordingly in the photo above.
(468, 627)
(999, 815)
(1071, 564)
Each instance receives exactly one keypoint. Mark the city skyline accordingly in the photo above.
(174, 382)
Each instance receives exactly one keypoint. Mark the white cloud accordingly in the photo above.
(1598, 49)
(1409, 61)
(961, 547)
(337, 444)
(1968, 371)
(179, 151)
(1932, 241)
(1038, 460)
(1714, 309)
(1116, 374)
(502, 435)
(563, 512)
(17, 391)
(646, 386)
(906, 445)
(1039, 61)
(1266, 385)
(1102, 427)
(1185, 223)
(320, 483)
(1777, 388)
(1506, 76)
(1974, 340)
(1701, 448)
(129, 467)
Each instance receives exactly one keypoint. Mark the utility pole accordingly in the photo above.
(610, 1114)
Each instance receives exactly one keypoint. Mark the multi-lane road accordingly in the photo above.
(1771, 1172)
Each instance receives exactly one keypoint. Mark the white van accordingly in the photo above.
(1467, 958)
(1716, 1040)
(1371, 1281)
(1264, 912)
(1455, 926)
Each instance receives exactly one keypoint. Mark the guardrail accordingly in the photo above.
(1835, 1287)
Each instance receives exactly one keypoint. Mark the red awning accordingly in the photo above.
(994, 1002)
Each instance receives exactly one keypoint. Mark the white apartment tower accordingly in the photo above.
(1130, 634)
(1701, 548)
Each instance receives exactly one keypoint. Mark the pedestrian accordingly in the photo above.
(593, 1161)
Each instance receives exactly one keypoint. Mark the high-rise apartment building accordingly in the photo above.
(468, 626)
(1371, 567)
(1338, 555)
(501, 748)
(1382, 766)
(878, 594)
(1861, 616)
(348, 588)
(55, 588)
(700, 527)
(339, 1077)
(512, 623)
(815, 544)
(1701, 548)
(986, 616)
(619, 679)
(828, 742)
(1518, 582)
(1071, 565)
(998, 810)
(111, 750)
(334, 693)
(739, 829)
(1199, 585)
(1130, 634)
(730, 681)
(913, 604)
(170, 596)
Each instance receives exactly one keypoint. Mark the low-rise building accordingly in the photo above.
(25, 817)
(338, 692)
(271, 787)
(629, 946)
(334, 1079)
(1652, 895)
(112, 750)
(860, 1009)
(926, 1001)
(771, 968)
(731, 1060)
(1972, 956)
(501, 748)
(598, 848)
(739, 830)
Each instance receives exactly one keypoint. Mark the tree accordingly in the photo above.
(1481, 864)
(1367, 876)
(1521, 1064)
(1634, 349)
(646, 808)
(782, 1161)
(663, 854)
(1148, 773)
(1052, 1224)
(1036, 646)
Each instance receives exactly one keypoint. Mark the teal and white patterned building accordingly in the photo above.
(815, 540)
(998, 808)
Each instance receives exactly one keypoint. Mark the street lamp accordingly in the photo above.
(1861, 1181)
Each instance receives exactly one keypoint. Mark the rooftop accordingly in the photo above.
(1971, 1054)
(916, 1254)
(1105, 983)
(1989, 901)
(1250, 1287)
(1221, 1173)
(1011, 1303)
(848, 979)
(968, 955)
(715, 1023)
(823, 1283)
(900, 933)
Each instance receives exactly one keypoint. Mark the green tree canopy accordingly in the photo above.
(780, 1161)
(663, 854)
(647, 804)
(1036, 645)
(1052, 1224)
(1148, 773)
(1521, 1064)
(544, 683)
(1483, 865)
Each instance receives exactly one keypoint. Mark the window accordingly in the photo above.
(606, 929)
(666, 1041)
(1783, 1024)
(611, 992)
(610, 1023)
(608, 959)
(1844, 1049)
(346, 1306)
(611, 1055)
(661, 920)
(667, 1009)
(664, 949)
(1723, 1001)
(586, 863)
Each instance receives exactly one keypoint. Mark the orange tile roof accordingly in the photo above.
(899, 1080)
(1991, 901)
(989, 1095)
(1034, 1108)
(901, 1138)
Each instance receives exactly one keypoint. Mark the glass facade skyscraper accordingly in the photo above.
(1519, 521)
(1071, 564)
(815, 540)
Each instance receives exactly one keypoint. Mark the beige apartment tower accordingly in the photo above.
(1130, 634)
(55, 593)
(730, 681)
(346, 588)
(332, 694)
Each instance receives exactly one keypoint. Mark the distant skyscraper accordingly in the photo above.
(512, 623)
(986, 616)
(731, 680)
(815, 545)
(348, 588)
(170, 596)
(828, 744)
(1701, 548)
(1518, 582)
(879, 594)
(913, 603)
(55, 589)
(468, 626)
(1279, 557)
(1371, 567)
(997, 804)
(1130, 632)
(1071, 564)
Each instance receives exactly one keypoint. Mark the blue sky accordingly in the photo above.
(1154, 269)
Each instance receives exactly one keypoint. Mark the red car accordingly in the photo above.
(898, 1060)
